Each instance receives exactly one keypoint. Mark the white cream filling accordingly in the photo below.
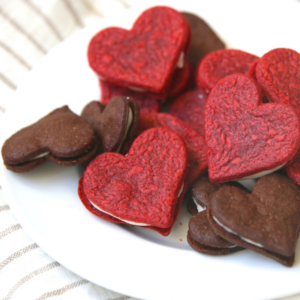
(129, 121)
(39, 156)
(181, 190)
(136, 89)
(180, 62)
(242, 238)
(199, 207)
(261, 174)
(126, 221)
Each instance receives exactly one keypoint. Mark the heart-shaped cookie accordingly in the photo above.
(244, 136)
(195, 142)
(266, 221)
(61, 136)
(142, 188)
(219, 64)
(115, 124)
(278, 74)
(144, 57)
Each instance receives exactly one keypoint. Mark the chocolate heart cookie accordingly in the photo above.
(61, 136)
(266, 221)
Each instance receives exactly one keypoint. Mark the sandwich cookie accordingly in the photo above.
(145, 57)
(245, 137)
(116, 123)
(143, 188)
(266, 221)
(62, 137)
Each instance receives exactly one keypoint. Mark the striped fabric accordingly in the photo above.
(28, 30)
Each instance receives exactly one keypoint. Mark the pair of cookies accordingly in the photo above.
(68, 139)
(266, 221)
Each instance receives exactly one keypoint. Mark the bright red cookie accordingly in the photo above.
(89, 206)
(189, 108)
(147, 103)
(220, 64)
(142, 188)
(195, 142)
(244, 136)
(144, 57)
(278, 74)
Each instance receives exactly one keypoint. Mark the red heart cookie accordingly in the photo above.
(143, 187)
(144, 57)
(278, 74)
(244, 136)
(195, 142)
(219, 64)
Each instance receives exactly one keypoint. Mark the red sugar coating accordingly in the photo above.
(144, 57)
(220, 64)
(278, 74)
(189, 107)
(245, 136)
(293, 170)
(142, 187)
(195, 142)
(146, 103)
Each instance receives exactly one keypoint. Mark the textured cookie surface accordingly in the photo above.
(189, 108)
(144, 57)
(266, 220)
(245, 136)
(195, 143)
(278, 74)
(144, 186)
(220, 64)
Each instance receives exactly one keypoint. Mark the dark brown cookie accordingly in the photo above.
(115, 123)
(203, 239)
(202, 191)
(204, 39)
(61, 136)
(266, 221)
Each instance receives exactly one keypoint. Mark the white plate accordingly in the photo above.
(139, 262)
